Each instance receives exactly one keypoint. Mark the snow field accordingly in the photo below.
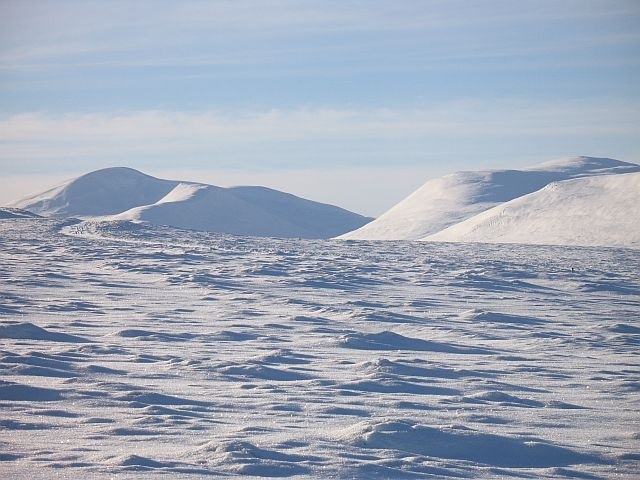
(135, 350)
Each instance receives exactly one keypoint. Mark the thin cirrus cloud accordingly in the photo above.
(43, 137)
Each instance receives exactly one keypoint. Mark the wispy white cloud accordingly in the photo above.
(123, 33)
(458, 118)
(281, 137)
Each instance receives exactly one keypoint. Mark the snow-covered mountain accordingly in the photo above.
(591, 211)
(102, 192)
(446, 201)
(256, 211)
(125, 194)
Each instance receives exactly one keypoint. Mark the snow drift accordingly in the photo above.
(125, 194)
(8, 212)
(592, 211)
(448, 200)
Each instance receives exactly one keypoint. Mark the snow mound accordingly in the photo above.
(245, 458)
(448, 200)
(102, 192)
(8, 212)
(29, 331)
(462, 443)
(590, 211)
(16, 392)
(121, 193)
(387, 340)
(137, 462)
(254, 211)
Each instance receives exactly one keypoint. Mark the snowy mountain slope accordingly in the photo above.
(8, 212)
(127, 194)
(308, 216)
(590, 211)
(448, 200)
(102, 192)
(255, 211)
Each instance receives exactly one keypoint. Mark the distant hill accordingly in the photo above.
(446, 201)
(256, 211)
(102, 192)
(590, 211)
(126, 194)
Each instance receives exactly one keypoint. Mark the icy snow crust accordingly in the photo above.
(446, 201)
(130, 350)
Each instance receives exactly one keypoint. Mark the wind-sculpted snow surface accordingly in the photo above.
(133, 351)
(8, 212)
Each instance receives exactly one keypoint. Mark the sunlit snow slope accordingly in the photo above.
(129, 194)
(103, 192)
(256, 211)
(593, 211)
(448, 200)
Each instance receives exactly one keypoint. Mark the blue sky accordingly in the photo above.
(350, 102)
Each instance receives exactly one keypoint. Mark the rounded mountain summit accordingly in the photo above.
(121, 193)
(449, 200)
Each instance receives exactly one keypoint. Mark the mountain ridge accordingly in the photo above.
(451, 199)
(588, 211)
(122, 193)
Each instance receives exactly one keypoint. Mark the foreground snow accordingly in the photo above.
(443, 202)
(130, 350)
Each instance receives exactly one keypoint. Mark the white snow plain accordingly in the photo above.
(133, 351)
